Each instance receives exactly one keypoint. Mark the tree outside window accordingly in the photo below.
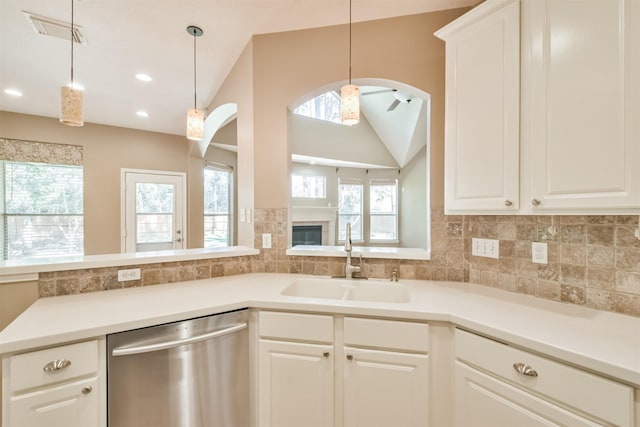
(350, 204)
(217, 207)
(42, 210)
(383, 210)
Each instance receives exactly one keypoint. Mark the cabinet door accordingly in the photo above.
(295, 384)
(481, 400)
(581, 103)
(482, 110)
(385, 389)
(70, 405)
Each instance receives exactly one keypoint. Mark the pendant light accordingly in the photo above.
(350, 94)
(195, 117)
(71, 97)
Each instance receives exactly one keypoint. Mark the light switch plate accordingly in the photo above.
(539, 252)
(266, 240)
(489, 248)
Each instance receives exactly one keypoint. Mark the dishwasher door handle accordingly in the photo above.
(125, 351)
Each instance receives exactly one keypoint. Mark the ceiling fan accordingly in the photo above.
(398, 95)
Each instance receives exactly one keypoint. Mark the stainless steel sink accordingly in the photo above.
(342, 289)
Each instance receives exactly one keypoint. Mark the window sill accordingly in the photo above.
(14, 268)
(366, 251)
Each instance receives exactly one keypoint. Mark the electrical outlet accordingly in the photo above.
(539, 252)
(130, 274)
(266, 240)
(489, 248)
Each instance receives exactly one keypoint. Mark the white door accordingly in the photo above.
(154, 211)
(481, 401)
(295, 385)
(384, 389)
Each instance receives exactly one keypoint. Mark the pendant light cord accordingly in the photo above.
(72, 44)
(194, 70)
(349, 41)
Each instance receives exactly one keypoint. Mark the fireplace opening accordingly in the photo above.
(307, 235)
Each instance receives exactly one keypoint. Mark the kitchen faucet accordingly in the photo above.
(349, 269)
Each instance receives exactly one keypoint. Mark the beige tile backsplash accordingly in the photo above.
(592, 260)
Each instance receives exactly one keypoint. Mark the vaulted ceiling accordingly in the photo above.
(126, 37)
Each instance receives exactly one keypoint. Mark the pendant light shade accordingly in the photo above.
(71, 98)
(350, 104)
(71, 106)
(350, 94)
(195, 124)
(195, 117)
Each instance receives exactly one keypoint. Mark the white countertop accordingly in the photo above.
(605, 342)
(25, 269)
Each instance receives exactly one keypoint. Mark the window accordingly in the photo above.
(323, 107)
(218, 190)
(350, 209)
(383, 210)
(42, 210)
(310, 186)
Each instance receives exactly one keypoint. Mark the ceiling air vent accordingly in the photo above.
(51, 27)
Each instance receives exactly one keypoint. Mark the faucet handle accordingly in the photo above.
(394, 275)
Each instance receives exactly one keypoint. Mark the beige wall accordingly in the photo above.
(106, 150)
(287, 66)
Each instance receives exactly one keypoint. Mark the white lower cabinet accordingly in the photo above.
(296, 384)
(384, 388)
(321, 370)
(498, 385)
(60, 386)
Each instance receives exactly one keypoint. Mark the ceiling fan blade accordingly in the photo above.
(393, 105)
(375, 92)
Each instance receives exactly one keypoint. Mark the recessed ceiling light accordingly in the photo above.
(144, 77)
(142, 113)
(13, 92)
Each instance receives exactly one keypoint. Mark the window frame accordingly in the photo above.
(361, 184)
(384, 182)
(230, 212)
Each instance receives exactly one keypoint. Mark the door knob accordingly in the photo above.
(508, 203)
(349, 356)
(535, 202)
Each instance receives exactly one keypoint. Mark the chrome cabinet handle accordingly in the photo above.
(326, 353)
(508, 203)
(87, 389)
(349, 356)
(535, 202)
(56, 365)
(525, 369)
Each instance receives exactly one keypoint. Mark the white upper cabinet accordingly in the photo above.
(581, 94)
(482, 108)
(552, 86)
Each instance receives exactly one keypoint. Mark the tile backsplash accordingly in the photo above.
(593, 261)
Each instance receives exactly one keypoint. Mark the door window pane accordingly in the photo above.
(154, 213)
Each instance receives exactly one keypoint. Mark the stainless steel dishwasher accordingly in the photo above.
(193, 373)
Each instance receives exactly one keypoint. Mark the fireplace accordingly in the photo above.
(307, 235)
(321, 218)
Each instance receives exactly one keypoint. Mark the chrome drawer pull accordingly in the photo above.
(523, 369)
(87, 389)
(56, 365)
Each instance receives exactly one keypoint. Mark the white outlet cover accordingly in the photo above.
(539, 253)
(266, 240)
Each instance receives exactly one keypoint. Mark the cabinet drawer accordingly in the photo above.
(568, 386)
(70, 405)
(28, 370)
(390, 334)
(295, 326)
